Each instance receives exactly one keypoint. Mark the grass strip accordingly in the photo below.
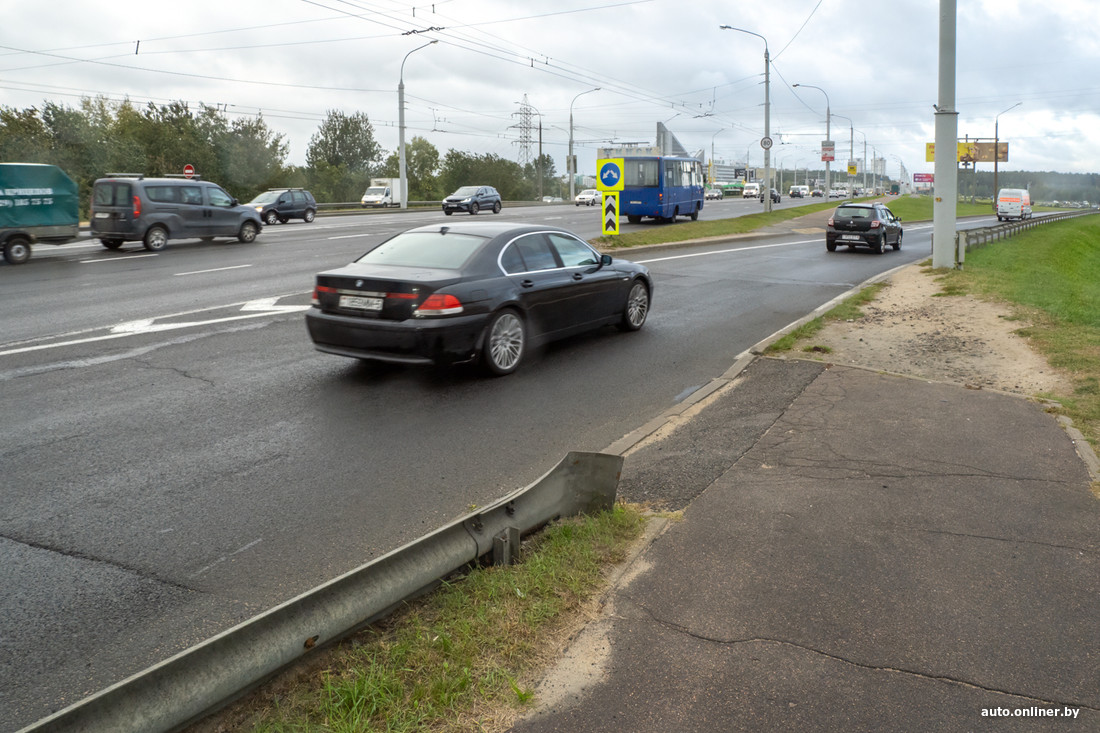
(848, 309)
(463, 657)
(1050, 278)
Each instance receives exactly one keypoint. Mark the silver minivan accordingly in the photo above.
(133, 208)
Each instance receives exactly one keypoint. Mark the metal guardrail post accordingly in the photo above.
(197, 681)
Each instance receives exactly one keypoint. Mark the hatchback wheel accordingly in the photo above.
(897, 244)
(505, 343)
(156, 238)
(309, 215)
(474, 208)
(637, 307)
(271, 217)
(496, 207)
(880, 244)
(248, 232)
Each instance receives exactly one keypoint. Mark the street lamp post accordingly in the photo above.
(569, 163)
(997, 149)
(851, 148)
(766, 143)
(403, 194)
(828, 120)
(712, 154)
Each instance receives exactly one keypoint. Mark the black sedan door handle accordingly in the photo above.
(527, 283)
(578, 276)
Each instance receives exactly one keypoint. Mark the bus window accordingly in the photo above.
(640, 173)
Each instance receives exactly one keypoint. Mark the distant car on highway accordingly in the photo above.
(863, 225)
(774, 196)
(476, 292)
(713, 194)
(472, 199)
(283, 204)
(587, 197)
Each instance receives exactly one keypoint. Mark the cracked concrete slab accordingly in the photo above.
(889, 555)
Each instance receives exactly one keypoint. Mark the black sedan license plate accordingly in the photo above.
(356, 302)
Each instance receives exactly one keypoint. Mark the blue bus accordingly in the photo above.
(661, 187)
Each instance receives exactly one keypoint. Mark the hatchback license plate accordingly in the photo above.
(851, 237)
(359, 303)
(102, 214)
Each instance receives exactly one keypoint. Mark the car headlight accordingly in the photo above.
(466, 200)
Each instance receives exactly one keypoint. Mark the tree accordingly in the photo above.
(421, 170)
(341, 156)
(252, 157)
(467, 169)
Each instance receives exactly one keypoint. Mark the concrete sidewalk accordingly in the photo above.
(858, 552)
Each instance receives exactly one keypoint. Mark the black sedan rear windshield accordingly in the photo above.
(856, 212)
(426, 249)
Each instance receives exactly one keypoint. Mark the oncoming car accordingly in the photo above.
(863, 225)
(588, 197)
(480, 291)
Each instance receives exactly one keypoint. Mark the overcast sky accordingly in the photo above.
(654, 61)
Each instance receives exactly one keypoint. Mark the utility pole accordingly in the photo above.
(945, 203)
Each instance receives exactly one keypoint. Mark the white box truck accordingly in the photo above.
(382, 192)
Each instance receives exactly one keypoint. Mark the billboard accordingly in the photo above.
(971, 152)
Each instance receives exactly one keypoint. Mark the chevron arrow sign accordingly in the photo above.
(610, 213)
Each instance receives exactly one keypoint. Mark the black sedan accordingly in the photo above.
(863, 225)
(477, 291)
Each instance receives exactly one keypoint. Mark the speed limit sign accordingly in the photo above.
(766, 143)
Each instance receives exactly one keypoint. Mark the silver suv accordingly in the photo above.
(133, 208)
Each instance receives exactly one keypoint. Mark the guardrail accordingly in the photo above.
(201, 679)
(966, 238)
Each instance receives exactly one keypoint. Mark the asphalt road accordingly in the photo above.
(176, 456)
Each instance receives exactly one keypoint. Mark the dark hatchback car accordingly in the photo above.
(479, 291)
(774, 195)
(282, 204)
(472, 199)
(863, 225)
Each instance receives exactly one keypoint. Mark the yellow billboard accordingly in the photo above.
(971, 152)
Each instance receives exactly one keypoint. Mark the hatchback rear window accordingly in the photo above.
(855, 212)
(426, 249)
(111, 193)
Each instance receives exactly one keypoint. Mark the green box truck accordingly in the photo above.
(38, 204)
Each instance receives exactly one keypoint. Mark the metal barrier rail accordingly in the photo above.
(966, 238)
(197, 681)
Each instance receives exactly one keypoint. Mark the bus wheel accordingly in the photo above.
(634, 219)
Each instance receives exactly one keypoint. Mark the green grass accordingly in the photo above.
(454, 659)
(909, 208)
(1050, 276)
(847, 310)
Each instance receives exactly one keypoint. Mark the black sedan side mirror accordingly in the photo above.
(605, 260)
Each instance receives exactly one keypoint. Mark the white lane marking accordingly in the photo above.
(117, 259)
(362, 234)
(254, 309)
(223, 558)
(727, 251)
(203, 272)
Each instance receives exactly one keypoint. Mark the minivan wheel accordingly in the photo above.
(248, 232)
(111, 243)
(271, 217)
(308, 216)
(156, 238)
(505, 343)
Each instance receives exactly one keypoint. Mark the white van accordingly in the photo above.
(751, 191)
(1013, 203)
